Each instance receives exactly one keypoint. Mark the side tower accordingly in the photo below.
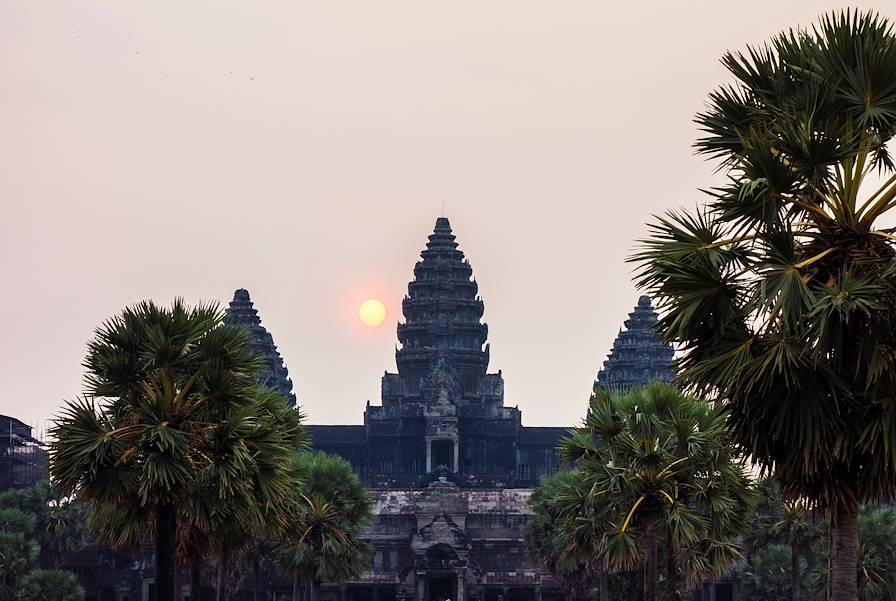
(638, 355)
(242, 312)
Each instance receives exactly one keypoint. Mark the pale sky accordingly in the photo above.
(303, 150)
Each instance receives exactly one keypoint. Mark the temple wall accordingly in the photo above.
(443, 540)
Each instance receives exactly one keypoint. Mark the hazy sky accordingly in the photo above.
(303, 150)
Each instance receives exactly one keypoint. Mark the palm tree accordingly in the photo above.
(559, 535)
(795, 529)
(877, 556)
(59, 523)
(763, 576)
(781, 521)
(322, 542)
(50, 585)
(159, 382)
(660, 466)
(781, 292)
(65, 530)
(246, 490)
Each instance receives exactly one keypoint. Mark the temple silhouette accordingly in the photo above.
(274, 374)
(450, 467)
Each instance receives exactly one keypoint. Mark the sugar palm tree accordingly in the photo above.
(158, 381)
(781, 292)
(660, 466)
(322, 541)
(50, 585)
(786, 523)
(560, 534)
(795, 528)
(64, 532)
(877, 554)
(247, 487)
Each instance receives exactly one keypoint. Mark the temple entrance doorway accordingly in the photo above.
(443, 454)
(441, 588)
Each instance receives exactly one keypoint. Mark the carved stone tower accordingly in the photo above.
(275, 375)
(442, 414)
(638, 355)
(442, 313)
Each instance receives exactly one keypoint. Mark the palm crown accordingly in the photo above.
(174, 423)
(781, 291)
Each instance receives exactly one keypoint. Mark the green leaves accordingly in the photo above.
(778, 292)
(50, 585)
(175, 417)
(321, 541)
(645, 456)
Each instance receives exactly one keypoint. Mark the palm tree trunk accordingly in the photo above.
(256, 576)
(222, 572)
(166, 532)
(195, 580)
(795, 572)
(827, 584)
(295, 586)
(650, 535)
(604, 594)
(844, 543)
(671, 568)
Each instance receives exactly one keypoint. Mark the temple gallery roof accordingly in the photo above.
(638, 355)
(275, 375)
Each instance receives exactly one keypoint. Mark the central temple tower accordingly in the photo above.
(450, 411)
(442, 413)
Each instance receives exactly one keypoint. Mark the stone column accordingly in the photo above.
(537, 592)
(460, 587)
(428, 456)
(456, 456)
(421, 587)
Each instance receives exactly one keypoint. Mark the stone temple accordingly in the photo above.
(450, 467)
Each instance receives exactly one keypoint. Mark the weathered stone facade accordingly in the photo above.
(447, 542)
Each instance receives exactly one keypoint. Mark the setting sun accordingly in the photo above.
(372, 312)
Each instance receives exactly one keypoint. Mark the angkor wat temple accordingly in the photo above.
(450, 467)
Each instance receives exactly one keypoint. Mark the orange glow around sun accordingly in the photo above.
(372, 312)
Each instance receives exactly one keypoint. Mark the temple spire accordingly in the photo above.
(638, 355)
(242, 312)
(443, 313)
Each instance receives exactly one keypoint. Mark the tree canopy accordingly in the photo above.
(781, 291)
